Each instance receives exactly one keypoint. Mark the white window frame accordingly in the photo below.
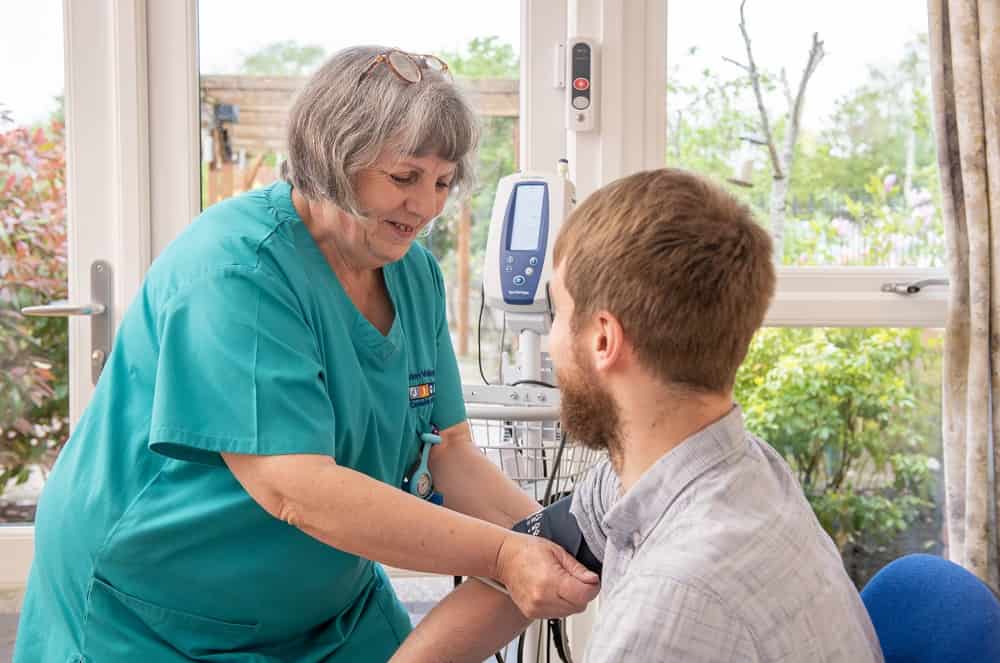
(632, 42)
(130, 190)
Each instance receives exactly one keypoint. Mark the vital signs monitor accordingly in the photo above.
(527, 214)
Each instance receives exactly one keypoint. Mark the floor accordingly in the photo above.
(8, 626)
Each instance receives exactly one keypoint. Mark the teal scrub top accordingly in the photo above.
(241, 340)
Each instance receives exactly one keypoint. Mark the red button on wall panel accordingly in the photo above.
(581, 83)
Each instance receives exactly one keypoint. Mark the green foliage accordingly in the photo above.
(34, 398)
(283, 58)
(485, 57)
(882, 227)
(862, 190)
(847, 409)
(707, 114)
(869, 131)
(870, 179)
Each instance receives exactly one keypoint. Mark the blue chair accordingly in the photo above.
(927, 609)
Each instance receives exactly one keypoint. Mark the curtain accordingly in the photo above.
(965, 74)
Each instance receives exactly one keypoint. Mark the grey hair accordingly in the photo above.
(340, 123)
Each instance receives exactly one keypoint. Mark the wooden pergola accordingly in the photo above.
(240, 148)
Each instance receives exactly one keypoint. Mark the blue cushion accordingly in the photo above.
(926, 608)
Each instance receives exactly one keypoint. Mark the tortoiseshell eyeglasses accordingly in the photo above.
(408, 66)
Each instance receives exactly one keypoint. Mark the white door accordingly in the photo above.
(118, 215)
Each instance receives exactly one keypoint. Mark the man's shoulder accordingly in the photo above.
(774, 594)
(744, 518)
(671, 608)
(752, 545)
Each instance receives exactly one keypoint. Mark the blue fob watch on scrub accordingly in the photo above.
(420, 482)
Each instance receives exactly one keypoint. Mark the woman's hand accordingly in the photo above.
(543, 579)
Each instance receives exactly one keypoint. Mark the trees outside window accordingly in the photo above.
(34, 401)
(855, 411)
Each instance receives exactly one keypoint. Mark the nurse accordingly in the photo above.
(237, 476)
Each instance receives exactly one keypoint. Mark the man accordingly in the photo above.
(710, 551)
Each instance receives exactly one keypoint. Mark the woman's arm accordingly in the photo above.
(357, 514)
(473, 485)
(467, 626)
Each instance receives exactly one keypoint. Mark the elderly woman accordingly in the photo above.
(287, 362)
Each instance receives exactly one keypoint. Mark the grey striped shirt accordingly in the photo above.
(715, 555)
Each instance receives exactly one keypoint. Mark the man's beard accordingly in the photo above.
(589, 413)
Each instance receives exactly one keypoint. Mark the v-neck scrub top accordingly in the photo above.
(241, 340)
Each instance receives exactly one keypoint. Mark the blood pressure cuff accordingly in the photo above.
(557, 524)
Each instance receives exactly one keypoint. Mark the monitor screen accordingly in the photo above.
(527, 217)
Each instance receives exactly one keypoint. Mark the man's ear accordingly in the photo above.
(609, 346)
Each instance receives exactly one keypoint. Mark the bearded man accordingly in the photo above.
(710, 550)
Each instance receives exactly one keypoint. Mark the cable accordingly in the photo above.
(479, 333)
(557, 627)
(548, 641)
(503, 333)
(546, 500)
(535, 383)
(548, 303)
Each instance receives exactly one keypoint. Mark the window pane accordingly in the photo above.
(249, 76)
(34, 403)
(858, 183)
(857, 415)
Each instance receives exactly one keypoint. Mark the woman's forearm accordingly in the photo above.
(472, 484)
(467, 626)
(357, 514)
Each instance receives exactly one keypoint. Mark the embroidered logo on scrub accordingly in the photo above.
(423, 392)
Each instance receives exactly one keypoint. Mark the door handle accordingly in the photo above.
(99, 311)
(62, 309)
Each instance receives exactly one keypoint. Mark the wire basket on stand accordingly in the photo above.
(517, 428)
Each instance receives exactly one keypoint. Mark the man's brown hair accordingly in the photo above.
(680, 263)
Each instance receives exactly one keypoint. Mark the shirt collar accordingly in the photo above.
(279, 194)
(637, 512)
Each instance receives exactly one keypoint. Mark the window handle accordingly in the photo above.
(912, 287)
